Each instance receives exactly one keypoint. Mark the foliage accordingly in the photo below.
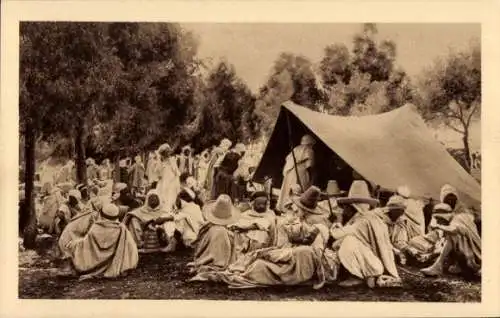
(228, 110)
(366, 80)
(292, 78)
(451, 91)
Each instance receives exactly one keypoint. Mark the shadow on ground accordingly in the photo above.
(165, 277)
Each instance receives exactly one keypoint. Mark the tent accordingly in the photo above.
(389, 150)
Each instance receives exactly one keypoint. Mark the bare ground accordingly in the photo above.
(165, 277)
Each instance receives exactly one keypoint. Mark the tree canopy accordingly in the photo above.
(450, 91)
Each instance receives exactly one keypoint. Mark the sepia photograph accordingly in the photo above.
(250, 161)
(177, 158)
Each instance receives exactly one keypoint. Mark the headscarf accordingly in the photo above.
(446, 190)
(307, 140)
(146, 206)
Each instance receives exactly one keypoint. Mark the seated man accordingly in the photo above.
(214, 247)
(51, 203)
(75, 220)
(123, 198)
(187, 221)
(107, 250)
(190, 186)
(69, 211)
(362, 241)
(427, 247)
(400, 228)
(302, 259)
(146, 224)
(462, 241)
(257, 227)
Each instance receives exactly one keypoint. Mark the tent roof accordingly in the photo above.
(389, 149)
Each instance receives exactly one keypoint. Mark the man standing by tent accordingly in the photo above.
(298, 169)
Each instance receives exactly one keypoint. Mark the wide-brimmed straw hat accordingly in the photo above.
(308, 201)
(396, 202)
(358, 193)
(442, 208)
(221, 211)
(333, 190)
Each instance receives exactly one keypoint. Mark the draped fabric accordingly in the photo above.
(169, 185)
(108, 250)
(137, 174)
(224, 182)
(214, 250)
(466, 241)
(144, 234)
(304, 156)
(188, 222)
(77, 228)
(366, 251)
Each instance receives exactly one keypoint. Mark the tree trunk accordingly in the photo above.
(30, 230)
(81, 168)
(116, 172)
(465, 140)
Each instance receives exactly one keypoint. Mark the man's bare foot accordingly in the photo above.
(370, 281)
(432, 271)
(350, 282)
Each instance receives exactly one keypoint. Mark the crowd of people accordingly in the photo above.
(208, 204)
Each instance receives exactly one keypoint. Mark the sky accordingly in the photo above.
(253, 47)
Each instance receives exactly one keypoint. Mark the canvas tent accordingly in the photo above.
(389, 150)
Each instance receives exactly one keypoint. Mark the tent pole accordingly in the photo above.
(290, 142)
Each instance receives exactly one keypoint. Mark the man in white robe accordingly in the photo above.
(169, 184)
(297, 169)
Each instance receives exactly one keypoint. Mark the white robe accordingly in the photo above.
(304, 156)
(169, 184)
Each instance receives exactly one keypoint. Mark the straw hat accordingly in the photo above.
(308, 201)
(221, 211)
(404, 191)
(358, 193)
(333, 190)
(442, 211)
(111, 211)
(396, 202)
(442, 208)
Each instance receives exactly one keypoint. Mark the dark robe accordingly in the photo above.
(224, 180)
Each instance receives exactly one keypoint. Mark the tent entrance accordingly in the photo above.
(328, 164)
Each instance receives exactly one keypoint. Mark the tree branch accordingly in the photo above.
(469, 118)
(454, 128)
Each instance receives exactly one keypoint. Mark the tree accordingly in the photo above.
(366, 80)
(158, 92)
(66, 68)
(228, 111)
(292, 78)
(451, 92)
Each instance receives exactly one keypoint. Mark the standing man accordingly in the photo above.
(224, 179)
(137, 173)
(298, 169)
(186, 161)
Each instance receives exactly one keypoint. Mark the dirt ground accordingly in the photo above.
(165, 277)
